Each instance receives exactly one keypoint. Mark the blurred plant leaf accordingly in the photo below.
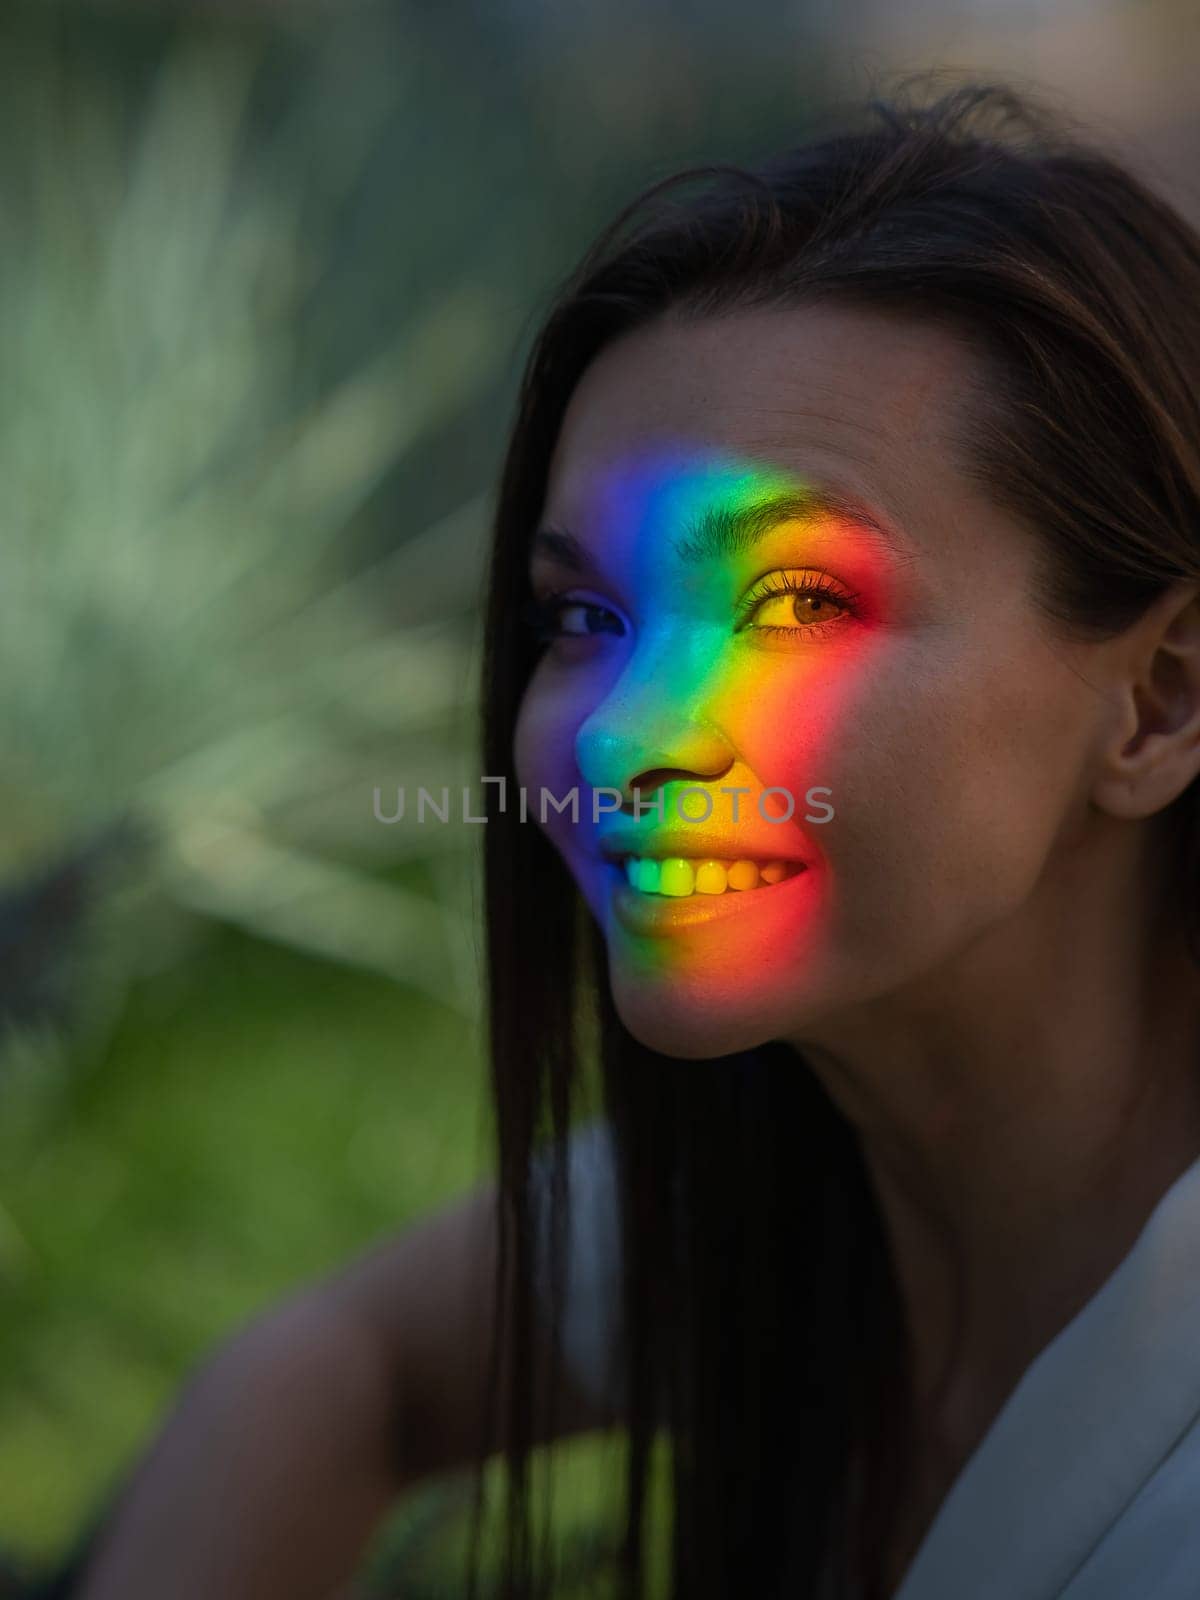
(183, 642)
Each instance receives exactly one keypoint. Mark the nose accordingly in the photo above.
(639, 742)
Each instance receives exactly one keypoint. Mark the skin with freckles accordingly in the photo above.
(975, 958)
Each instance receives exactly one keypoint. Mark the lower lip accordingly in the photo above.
(660, 913)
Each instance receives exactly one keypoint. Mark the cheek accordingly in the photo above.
(544, 759)
(543, 739)
(949, 800)
(804, 730)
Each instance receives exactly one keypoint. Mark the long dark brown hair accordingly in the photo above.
(762, 1324)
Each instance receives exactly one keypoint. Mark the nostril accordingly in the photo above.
(647, 789)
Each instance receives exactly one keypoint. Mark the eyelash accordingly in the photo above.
(781, 583)
(541, 615)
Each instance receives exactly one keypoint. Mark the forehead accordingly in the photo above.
(675, 413)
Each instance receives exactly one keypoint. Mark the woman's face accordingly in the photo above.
(769, 583)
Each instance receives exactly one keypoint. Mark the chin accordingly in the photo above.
(687, 1020)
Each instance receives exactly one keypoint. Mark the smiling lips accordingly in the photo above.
(681, 876)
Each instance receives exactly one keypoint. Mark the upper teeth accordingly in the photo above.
(676, 875)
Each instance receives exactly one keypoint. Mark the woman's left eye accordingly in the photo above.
(786, 602)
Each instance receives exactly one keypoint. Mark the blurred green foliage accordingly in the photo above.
(198, 1170)
(266, 278)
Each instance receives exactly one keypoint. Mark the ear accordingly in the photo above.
(1154, 751)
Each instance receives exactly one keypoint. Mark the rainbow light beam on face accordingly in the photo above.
(733, 609)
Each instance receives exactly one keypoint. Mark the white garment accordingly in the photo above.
(1087, 1484)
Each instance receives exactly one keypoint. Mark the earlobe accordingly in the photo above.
(1156, 752)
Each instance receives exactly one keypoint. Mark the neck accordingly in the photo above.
(1020, 1118)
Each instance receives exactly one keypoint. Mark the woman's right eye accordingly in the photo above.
(562, 616)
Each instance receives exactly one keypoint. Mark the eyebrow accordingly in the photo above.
(724, 531)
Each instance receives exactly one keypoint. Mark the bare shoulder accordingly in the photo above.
(429, 1294)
